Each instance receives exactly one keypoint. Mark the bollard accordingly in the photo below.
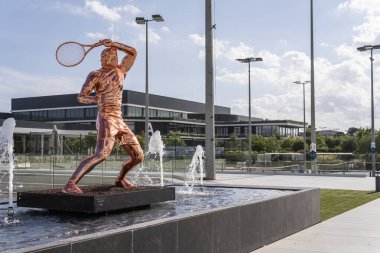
(377, 178)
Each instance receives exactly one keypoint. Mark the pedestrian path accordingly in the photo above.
(356, 231)
(328, 182)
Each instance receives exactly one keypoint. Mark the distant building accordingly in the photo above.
(327, 133)
(35, 117)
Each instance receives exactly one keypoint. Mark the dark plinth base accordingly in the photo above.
(95, 199)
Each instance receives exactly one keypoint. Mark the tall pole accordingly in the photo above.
(304, 121)
(312, 101)
(141, 21)
(372, 118)
(304, 129)
(146, 90)
(209, 110)
(373, 141)
(249, 117)
(249, 60)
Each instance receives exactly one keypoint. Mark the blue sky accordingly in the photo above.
(276, 30)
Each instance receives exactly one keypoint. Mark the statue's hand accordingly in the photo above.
(107, 42)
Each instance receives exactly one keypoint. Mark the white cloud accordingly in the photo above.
(153, 37)
(342, 89)
(324, 44)
(222, 48)
(197, 39)
(70, 8)
(270, 60)
(368, 6)
(15, 84)
(368, 32)
(95, 35)
(97, 7)
(240, 51)
(129, 9)
(165, 29)
(224, 75)
(132, 24)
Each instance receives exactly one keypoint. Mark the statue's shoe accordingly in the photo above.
(124, 183)
(71, 187)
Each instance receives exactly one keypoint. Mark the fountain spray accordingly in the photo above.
(156, 146)
(6, 147)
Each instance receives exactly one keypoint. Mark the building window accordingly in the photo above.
(39, 116)
(222, 131)
(77, 113)
(90, 113)
(237, 131)
(21, 115)
(56, 114)
(132, 111)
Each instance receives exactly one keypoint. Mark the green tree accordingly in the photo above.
(287, 144)
(174, 139)
(363, 140)
(348, 144)
(333, 143)
(141, 140)
(352, 130)
(272, 144)
(297, 144)
(258, 143)
(73, 145)
(89, 141)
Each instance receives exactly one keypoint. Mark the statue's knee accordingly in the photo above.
(139, 158)
(101, 156)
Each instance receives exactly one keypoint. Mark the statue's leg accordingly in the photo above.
(103, 149)
(136, 155)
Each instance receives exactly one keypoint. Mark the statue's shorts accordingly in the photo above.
(113, 127)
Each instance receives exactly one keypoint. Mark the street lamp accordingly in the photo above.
(249, 60)
(304, 122)
(373, 144)
(142, 21)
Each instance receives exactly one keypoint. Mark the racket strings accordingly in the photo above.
(70, 54)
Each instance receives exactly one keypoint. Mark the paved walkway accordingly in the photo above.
(328, 182)
(356, 231)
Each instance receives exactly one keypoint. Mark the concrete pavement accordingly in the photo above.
(328, 182)
(356, 231)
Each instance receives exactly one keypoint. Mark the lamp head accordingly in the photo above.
(249, 59)
(157, 18)
(140, 20)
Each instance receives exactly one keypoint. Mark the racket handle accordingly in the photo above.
(97, 44)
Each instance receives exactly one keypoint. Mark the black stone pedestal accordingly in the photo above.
(95, 199)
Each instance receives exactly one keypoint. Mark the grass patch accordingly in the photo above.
(335, 202)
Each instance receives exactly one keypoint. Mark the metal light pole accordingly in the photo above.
(313, 145)
(373, 143)
(304, 122)
(142, 21)
(209, 93)
(249, 60)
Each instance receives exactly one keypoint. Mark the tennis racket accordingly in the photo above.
(70, 54)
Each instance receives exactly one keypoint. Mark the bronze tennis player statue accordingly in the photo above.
(107, 82)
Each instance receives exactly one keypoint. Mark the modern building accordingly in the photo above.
(36, 116)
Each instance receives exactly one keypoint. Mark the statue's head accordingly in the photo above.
(109, 57)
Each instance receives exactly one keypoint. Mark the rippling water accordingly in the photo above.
(31, 227)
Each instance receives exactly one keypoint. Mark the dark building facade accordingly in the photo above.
(37, 115)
